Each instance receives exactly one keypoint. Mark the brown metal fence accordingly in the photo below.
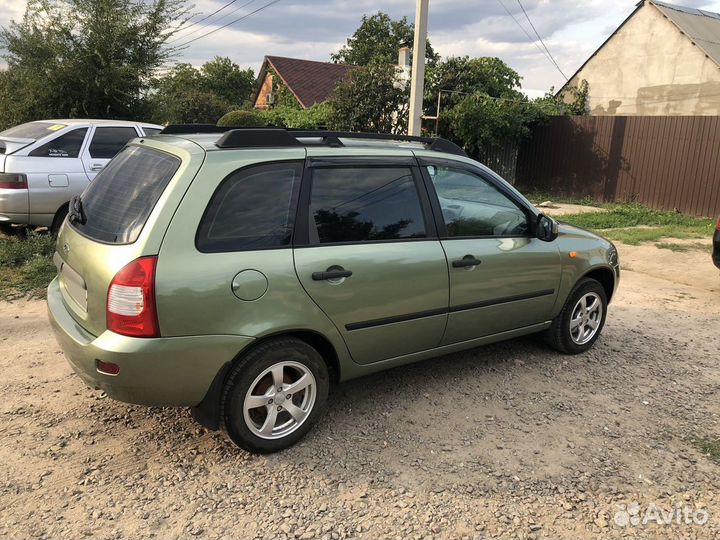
(665, 162)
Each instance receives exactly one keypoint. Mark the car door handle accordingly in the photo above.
(97, 167)
(331, 274)
(466, 262)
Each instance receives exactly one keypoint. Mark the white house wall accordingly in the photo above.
(650, 68)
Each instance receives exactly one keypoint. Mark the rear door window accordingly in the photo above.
(364, 205)
(254, 208)
(108, 141)
(67, 145)
(119, 201)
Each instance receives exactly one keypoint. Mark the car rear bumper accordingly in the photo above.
(716, 248)
(13, 205)
(167, 371)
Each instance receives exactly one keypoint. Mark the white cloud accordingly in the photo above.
(313, 29)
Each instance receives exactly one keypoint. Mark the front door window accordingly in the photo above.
(473, 207)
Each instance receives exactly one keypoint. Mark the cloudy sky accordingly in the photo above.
(312, 29)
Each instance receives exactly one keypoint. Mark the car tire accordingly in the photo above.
(579, 325)
(258, 418)
(58, 219)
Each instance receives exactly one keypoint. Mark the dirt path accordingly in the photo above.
(510, 440)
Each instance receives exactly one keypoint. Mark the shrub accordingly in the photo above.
(319, 116)
(26, 265)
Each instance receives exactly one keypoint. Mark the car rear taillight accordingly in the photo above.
(13, 181)
(131, 309)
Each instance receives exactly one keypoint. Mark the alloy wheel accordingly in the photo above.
(279, 400)
(586, 318)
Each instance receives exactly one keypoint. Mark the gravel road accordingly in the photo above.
(510, 440)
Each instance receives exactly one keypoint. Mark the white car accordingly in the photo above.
(44, 164)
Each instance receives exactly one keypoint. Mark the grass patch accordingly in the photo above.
(683, 248)
(26, 265)
(634, 224)
(637, 235)
(707, 445)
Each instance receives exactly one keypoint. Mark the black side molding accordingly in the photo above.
(442, 311)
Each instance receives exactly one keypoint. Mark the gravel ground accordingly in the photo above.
(510, 440)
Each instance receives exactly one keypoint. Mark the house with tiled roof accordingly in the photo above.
(306, 81)
(664, 59)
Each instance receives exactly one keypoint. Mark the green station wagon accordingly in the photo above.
(243, 272)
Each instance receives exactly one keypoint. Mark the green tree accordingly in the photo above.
(225, 79)
(187, 94)
(481, 123)
(371, 99)
(197, 107)
(377, 40)
(89, 58)
(459, 76)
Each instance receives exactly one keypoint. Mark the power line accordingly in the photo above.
(206, 17)
(541, 39)
(179, 38)
(532, 39)
(261, 8)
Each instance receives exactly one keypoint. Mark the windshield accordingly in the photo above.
(32, 130)
(118, 202)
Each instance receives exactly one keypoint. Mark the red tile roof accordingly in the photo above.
(310, 81)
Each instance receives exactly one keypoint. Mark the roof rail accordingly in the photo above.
(268, 137)
(332, 137)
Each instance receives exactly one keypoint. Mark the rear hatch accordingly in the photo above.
(121, 216)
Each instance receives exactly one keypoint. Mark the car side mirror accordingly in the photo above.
(546, 228)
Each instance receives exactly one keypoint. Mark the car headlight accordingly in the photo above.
(612, 256)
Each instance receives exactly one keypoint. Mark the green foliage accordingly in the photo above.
(26, 265)
(318, 116)
(481, 123)
(224, 78)
(482, 107)
(459, 76)
(91, 58)
(378, 40)
(251, 118)
(187, 94)
(370, 99)
(572, 101)
(195, 107)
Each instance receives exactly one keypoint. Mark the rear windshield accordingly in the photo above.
(119, 200)
(32, 130)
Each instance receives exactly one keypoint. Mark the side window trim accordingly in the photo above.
(228, 177)
(301, 233)
(464, 167)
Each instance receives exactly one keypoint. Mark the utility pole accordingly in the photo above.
(417, 80)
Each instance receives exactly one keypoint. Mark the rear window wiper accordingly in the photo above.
(75, 211)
